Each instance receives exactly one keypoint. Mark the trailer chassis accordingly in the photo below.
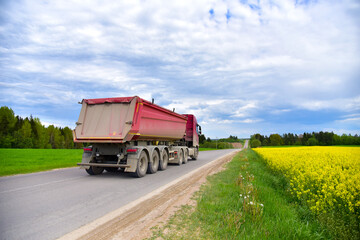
(139, 157)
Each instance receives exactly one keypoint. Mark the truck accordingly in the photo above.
(134, 135)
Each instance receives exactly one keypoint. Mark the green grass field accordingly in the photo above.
(17, 161)
(245, 201)
(207, 149)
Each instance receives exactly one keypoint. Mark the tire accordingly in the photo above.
(95, 170)
(142, 165)
(181, 157)
(196, 154)
(111, 169)
(164, 161)
(153, 163)
(186, 156)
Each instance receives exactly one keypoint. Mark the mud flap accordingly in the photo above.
(86, 158)
(132, 162)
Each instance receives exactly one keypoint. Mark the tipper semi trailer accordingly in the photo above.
(134, 135)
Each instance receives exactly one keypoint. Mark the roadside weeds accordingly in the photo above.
(245, 201)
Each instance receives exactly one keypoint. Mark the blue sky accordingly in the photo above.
(240, 66)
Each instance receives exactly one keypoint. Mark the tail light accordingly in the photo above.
(88, 149)
(131, 150)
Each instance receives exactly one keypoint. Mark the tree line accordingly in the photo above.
(17, 132)
(306, 139)
(222, 143)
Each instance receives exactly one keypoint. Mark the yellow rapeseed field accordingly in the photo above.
(327, 179)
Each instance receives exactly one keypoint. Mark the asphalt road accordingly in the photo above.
(47, 205)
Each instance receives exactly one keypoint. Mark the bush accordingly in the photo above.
(312, 141)
(255, 143)
(218, 145)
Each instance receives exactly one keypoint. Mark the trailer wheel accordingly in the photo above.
(154, 162)
(186, 156)
(196, 154)
(181, 157)
(95, 170)
(142, 165)
(164, 161)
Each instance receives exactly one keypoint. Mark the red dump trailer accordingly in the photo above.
(134, 135)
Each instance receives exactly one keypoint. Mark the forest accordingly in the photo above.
(17, 132)
(306, 139)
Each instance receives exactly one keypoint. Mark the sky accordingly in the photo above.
(241, 67)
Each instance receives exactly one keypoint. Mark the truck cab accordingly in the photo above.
(193, 130)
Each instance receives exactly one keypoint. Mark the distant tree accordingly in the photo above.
(265, 142)
(40, 138)
(286, 139)
(322, 138)
(7, 120)
(51, 135)
(208, 139)
(289, 139)
(356, 140)
(56, 140)
(312, 141)
(255, 143)
(23, 137)
(17, 132)
(347, 139)
(202, 138)
(305, 137)
(297, 140)
(235, 138)
(275, 140)
(7, 124)
(68, 138)
(257, 136)
(336, 139)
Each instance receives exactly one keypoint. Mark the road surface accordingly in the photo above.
(48, 205)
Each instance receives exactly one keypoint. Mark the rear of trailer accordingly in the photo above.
(133, 135)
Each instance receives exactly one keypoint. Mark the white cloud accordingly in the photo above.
(341, 104)
(356, 120)
(270, 58)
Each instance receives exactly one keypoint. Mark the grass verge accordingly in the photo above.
(18, 161)
(211, 149)
(245, 201)
(207, 149)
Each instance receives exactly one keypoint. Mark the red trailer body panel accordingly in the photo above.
(157, 123)
(117, 120)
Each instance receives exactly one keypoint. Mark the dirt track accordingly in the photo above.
(237, 145)
(134, 220)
